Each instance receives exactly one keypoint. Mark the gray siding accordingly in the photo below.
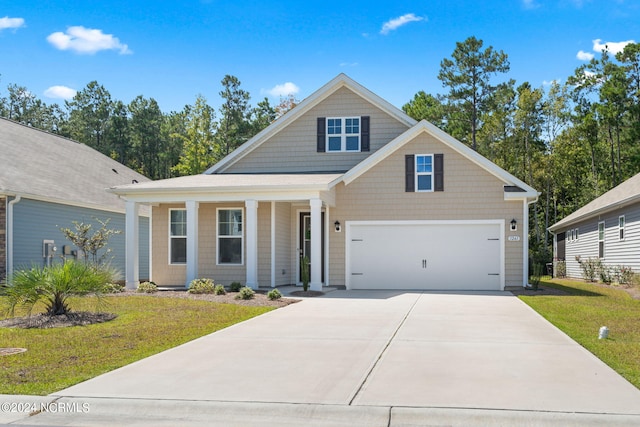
(35, 221)
(616, 252)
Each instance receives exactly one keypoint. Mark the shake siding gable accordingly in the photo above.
(472, 193)
(295, 148)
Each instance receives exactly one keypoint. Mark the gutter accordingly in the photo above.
(9, 234)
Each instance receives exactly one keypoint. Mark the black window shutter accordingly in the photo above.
(409, 168)
(438, 172)
(364, 133)
(322, 134)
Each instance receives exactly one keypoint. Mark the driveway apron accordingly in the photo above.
(482, 350)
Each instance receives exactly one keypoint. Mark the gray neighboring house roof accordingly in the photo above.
(624, 194)
(39, 165)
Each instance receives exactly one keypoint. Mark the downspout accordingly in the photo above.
(10, 234)
(525, 243)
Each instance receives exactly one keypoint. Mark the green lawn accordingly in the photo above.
(588, 307)
(60, 357)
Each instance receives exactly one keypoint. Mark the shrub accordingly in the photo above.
(624, 275)
(201, 286)
(219, 290)
(561, 269)
(235, 287)
(147, 288)
(535, 277)
(113, 288)
(54, 285)
(245, 293)
(274, 294)
(305, 272)
(590, 268)
(604, 272)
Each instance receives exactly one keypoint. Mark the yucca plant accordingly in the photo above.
(54, 285)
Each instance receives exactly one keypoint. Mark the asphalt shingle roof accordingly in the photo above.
(38, 164)
(625, 193)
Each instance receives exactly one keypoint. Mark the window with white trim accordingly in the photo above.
(424, 172)
(230, 236)
(177, 236)
(621, 227)
(601, 236)
(577, 233)
(343, 134)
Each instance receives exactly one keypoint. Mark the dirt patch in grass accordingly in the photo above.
(542, 290)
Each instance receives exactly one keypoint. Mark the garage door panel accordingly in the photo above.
(418, 256)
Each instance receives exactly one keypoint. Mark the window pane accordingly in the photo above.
(230, 222)
(229, 250)
(178, 223)
(353, 143)
(335, 143)
(352, 125)
(178, 250)
(423, 164)
(424, 182)
(334, 126)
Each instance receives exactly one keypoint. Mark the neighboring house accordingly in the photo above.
(607, 228)
(46, 182)
(374, 200)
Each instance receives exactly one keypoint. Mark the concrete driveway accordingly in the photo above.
(371, 358)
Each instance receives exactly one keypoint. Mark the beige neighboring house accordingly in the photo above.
(372, 198)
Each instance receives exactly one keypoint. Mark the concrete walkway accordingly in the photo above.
(364, 358)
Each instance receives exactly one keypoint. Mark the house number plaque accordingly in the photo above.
(514, 238)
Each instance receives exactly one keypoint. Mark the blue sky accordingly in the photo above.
(175, 50)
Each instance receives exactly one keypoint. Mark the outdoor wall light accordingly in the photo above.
(514, 224)
(337, 225)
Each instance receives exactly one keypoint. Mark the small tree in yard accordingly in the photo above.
(89, 243)
(54, 285)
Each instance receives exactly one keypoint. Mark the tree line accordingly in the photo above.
(139, 135)
(572, 141)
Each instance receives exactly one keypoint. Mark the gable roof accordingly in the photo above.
(510, 181)
(39, 165)
(340, 81)
(624, 194)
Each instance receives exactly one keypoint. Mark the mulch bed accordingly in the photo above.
(307, 293)
(259, 299)
(43, 321)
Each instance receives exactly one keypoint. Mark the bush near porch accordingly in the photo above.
(584, 309)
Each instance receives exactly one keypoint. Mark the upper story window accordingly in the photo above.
(343, 134)
(424, 172)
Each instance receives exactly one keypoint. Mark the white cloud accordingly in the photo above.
(60, 92)
(86, 41)
(551, 82)
(584, 56)
(284, 89)
(349, 64)
(530, 4)
(14, 23)
(398, 22)
(611, 47)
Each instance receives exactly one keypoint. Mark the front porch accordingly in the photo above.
(270, 236)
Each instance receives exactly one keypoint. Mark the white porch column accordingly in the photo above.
(273, 244)
(192, 241)
(316, 244)
(132, 248)
(525, 243)
(251, 237)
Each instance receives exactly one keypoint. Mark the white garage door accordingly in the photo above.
(425, 255)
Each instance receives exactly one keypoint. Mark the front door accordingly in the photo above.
(305, 242)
